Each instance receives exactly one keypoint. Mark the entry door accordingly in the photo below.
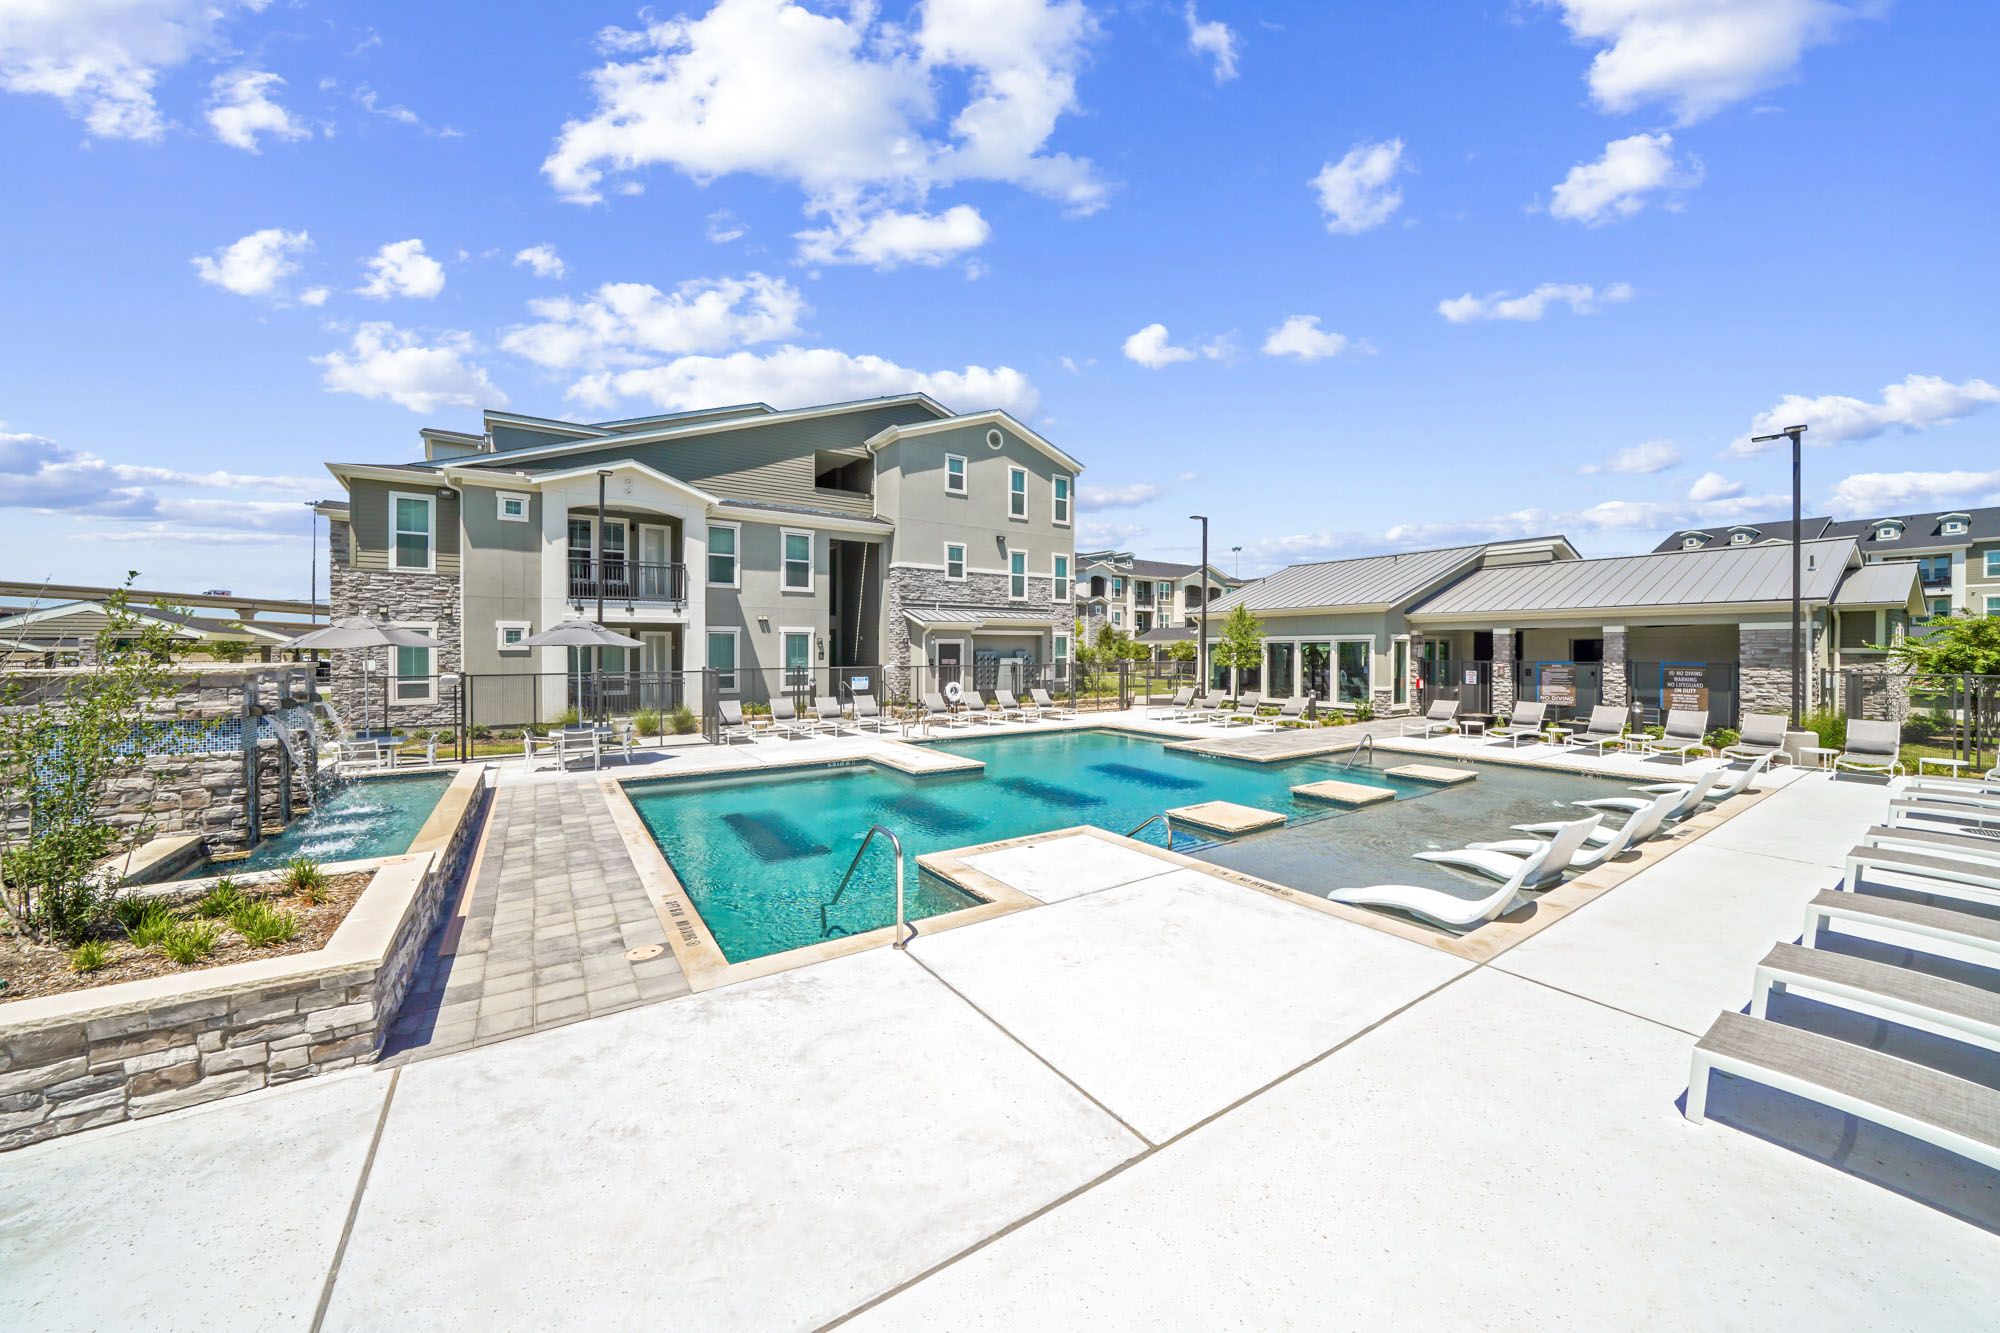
(653, 561)
(950, 661)
(798, 660)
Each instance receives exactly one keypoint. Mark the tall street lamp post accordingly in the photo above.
(1798, 614)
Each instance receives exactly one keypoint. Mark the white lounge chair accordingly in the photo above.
(1951, 876)
(1606, 728)
(1878, 913)
(574, 745)
(1244, 714)
(1011, 708)
(1683, 735)
(785, 719)
(1450, 910)
(1523, 724)
(1637, 828)
(1943, 818)
(827, 715)
(1691, 797)
(1049, 707)
(1291, 710)
(1971, 1011)
(1872, 747)
(1175, 708)
(1441, 718)
(733, 725)
(939, 713)
(1969, 845)
(1762, 734)
(1502, 865)
(1739, 782)
(868, 714)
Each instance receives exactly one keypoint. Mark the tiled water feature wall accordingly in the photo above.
(218, 751)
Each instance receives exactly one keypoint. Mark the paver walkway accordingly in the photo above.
(543, 937)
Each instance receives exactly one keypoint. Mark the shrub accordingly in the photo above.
(1829, 726)
(1364, 710)
(1656, 732)
(261, 925)
(646, 722)
(153, 924)
(483, 734)
(222, 900)
(304, 877)
(89, 956)
(189, 942)
(569, 717)
(131, 910)
(684, 720)
(1721, 738)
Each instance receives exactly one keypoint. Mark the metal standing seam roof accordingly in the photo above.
(972, 617)
(1375, 580)
(1727, 577)
(1886, 583)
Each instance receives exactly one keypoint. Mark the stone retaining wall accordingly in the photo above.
(124, 1052)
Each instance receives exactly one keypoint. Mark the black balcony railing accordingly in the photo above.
(627, 581)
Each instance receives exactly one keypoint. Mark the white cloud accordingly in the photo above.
(314, 296)
(543, 259)
(1151, 348)
(1300, 336)
(1714, 486)
(724, 227)
(1640, 459)
(1215, 40)
(37, 473)
(860, 113)
(1629, 518)
(1872, 494)
(889, 238)
(789, 376)
(1580, 297)
(401, 268)
(1094, 536)
(101, 58)
(256, 265)
(1919, 402)
(1620, 183)
(384, 361)
(631, 324)
(240, 108)
(1698, 56)
(1117, 497)
(1357, 192)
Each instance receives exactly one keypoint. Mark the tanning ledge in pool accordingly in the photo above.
(773, 837)
(1050, 794)
(1146, 777)
(932, 817)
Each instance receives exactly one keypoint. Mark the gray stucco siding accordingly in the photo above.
(368, 519)
(761, 594)
(501, 579)
(927, 516)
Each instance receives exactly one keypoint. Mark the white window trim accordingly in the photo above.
(500, 506)
(1953, 529)
(1059, 503)
(801, 631)
(1059, 641)
(1022, 557)
(500, 628)
(1993, 563)
(964, 475)
(1118, 616)
(735, 634)
(396, 699)
(1992, 604)
(784, 537)
(1333, 664)
(735, 558)
(1022, 473)
(430, 521)
(1060, 584)
(962, 566)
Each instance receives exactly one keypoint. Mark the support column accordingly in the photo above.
(1503, 671)
(1764, 667)
(1611, 673)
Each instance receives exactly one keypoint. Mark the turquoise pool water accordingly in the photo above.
(759, 854)
(357, 821)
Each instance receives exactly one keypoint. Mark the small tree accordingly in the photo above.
(1953, 645)
(228, 650)
(59, 751)
(1242, 642)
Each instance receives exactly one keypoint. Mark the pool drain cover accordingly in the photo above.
(643, 952)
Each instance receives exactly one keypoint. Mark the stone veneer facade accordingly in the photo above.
(1764, 669)
(1612, 672)
(106, 1061)
(1503, 672)
(920, 589)
(400, 598)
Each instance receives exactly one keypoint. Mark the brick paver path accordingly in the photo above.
(554, 909)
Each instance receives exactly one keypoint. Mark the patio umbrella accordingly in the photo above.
(362, 632)
(576, 632)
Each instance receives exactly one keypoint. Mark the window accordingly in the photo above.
(1992, 605)
(1889, 532)
(1060, 593)
(722, 659)
(1059, 654)
(414, 683)
(1954, 525)
(1166, 593)
(409, 531)
(722, 554)
(1739, 539)
(1017, 575)
(510, 633)
(1352, 661)
(798, 646)
(1993, 563)
(1934, 570)
(1940, 607)
(1117, 617)
(1017, 492)
(1690, 543)
(1062, 500)
(1118, 587)
(798, 575)
(513, 507)
(954, 475)
(954, 561)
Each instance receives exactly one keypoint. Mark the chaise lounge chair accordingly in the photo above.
(1947, 875)
(868, 714)
(1762, 734)
(1291, 710)
(785, 719)
(1606, 728)
(1450, 910)
(827, 714)
(1486, 859)
(1685, 730)
(1736, 786)
(1012, 708)
(976, 709)
(1440, 719)
(1175, 708)
(939, 713)
(1523, 724)
(1971, 846)
(1245, 712)
(733, 725)
(1685, 803)
(1638, 827)
(1049, 707)
(1872, 747)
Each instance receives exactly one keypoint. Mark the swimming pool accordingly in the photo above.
(758, 854)
(356, 821)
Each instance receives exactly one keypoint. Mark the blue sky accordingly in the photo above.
(1346, 278)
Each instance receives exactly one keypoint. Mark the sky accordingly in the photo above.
(1346, 278)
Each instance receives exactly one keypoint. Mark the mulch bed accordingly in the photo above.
(31, 969)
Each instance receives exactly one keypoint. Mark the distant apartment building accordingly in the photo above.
(1155, 601)
(751, 542)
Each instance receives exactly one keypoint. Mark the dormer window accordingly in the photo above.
(1889, 532)
(1690, 543)
(1954, 525)
(1739, 538)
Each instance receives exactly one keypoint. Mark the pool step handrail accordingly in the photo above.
(1367, 747)
(901, 940)
(1161, 818)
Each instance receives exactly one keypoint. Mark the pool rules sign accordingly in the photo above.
(1684, 685)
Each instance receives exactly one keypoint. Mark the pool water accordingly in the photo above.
(356, 821)
(758, 855)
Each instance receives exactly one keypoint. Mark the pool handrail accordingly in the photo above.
(1161, 818)
(1367, 746)
(901, 940)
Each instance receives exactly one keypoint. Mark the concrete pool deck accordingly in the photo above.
(1156, 1100)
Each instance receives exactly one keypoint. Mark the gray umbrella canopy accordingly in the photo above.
(577, 632)
(361, 632)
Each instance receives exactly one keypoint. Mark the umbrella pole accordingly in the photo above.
(597, 682)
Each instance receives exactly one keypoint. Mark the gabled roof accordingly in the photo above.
(186, 626)
(995, 416)
(1919, 530)
(1369, 581)
(1718, 577)
(1890, 583)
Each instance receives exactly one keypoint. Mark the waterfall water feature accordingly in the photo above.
(281, 727)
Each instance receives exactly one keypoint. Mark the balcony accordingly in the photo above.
(627, 581)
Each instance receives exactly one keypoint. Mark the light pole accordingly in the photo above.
(1201, 655)
(1236, 552)
(597, 577)
(1798, 615)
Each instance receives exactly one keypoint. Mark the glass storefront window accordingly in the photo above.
(1278, 660)
(1352, 664)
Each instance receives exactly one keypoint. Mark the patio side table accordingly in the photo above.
(1951, 766)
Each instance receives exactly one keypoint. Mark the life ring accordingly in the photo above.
(952, 691)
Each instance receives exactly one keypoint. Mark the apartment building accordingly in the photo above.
(1119, 590)
(886, 534)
